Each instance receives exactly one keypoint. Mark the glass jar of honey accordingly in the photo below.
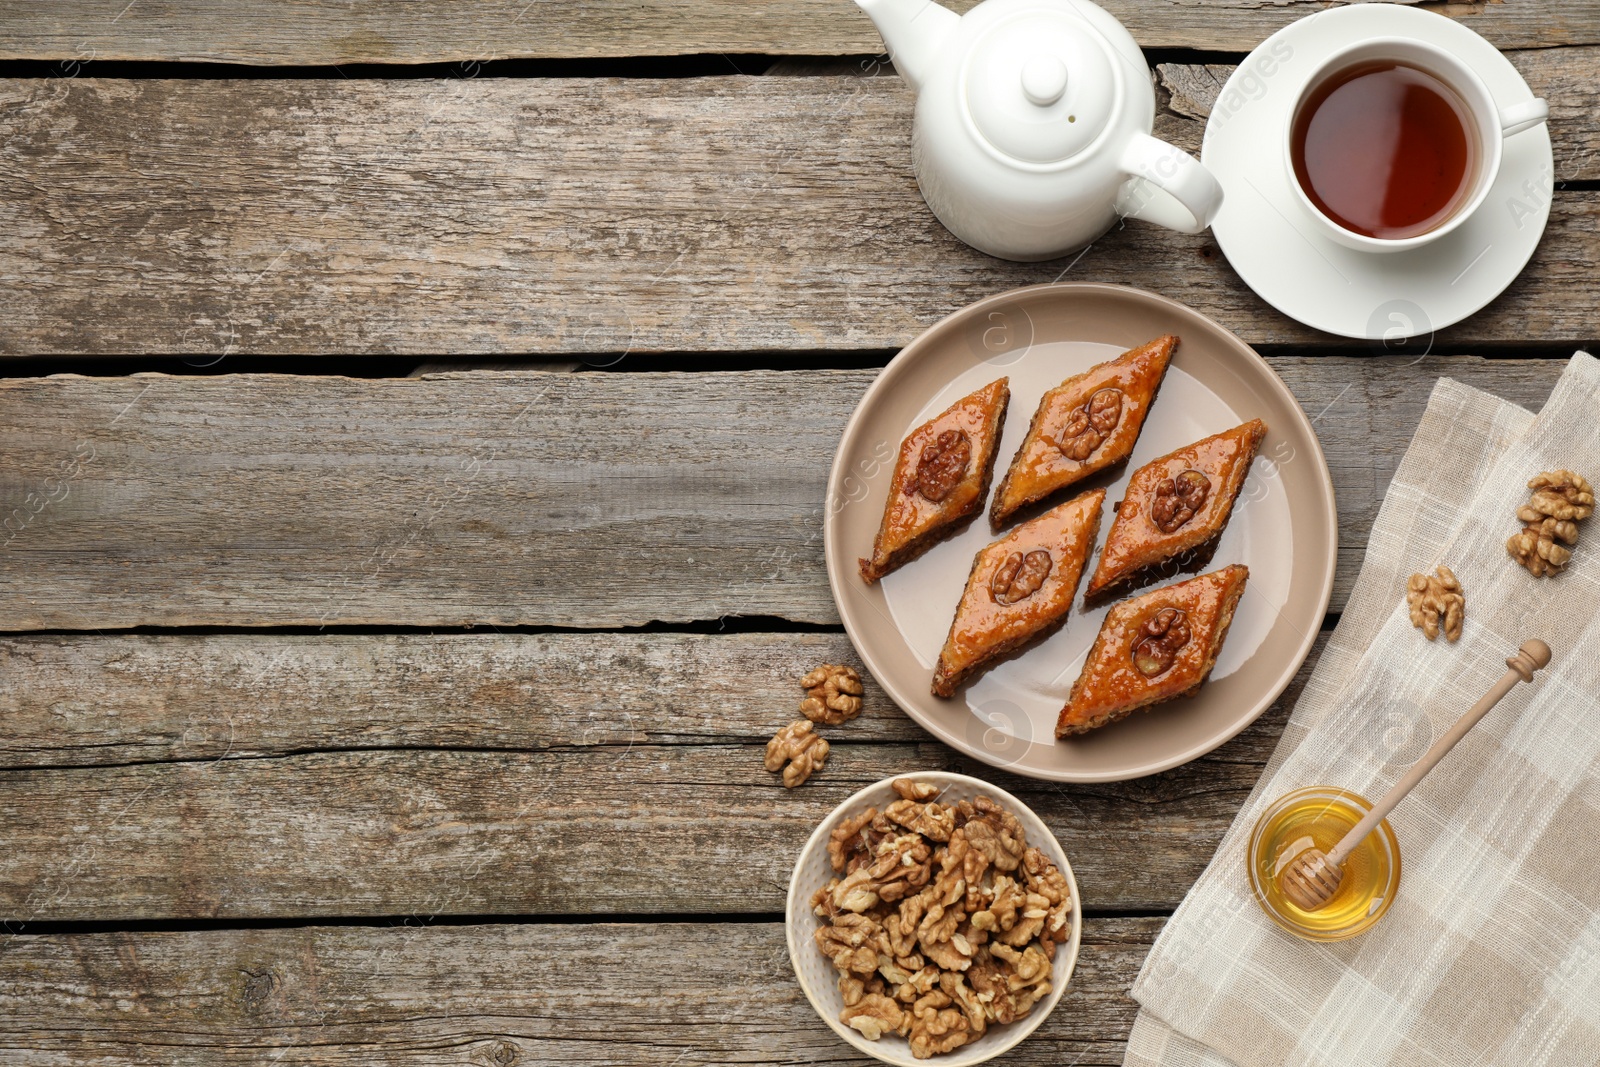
(1319, 816)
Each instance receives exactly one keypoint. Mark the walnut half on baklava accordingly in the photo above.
(1153, 648)
(940, 478)
(1176, 503)
(1087, 423)
(1020, 589)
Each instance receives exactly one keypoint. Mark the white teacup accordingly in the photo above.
(1493, 124)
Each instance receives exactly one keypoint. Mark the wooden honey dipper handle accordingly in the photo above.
(1532, 656)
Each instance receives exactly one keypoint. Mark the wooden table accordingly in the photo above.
(363, 705)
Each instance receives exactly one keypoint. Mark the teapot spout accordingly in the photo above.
(914, 31)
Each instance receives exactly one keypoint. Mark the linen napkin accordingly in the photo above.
(1490, 954)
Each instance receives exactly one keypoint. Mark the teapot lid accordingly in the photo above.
(1040, 87)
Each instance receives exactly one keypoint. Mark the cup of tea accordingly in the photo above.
(1394, 142)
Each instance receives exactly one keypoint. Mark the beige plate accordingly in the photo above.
(1284, 528)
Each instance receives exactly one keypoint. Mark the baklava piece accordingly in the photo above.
(1175, 504)
(1020, 588)
(1153, 648)
(940, 478)
(1087, 423)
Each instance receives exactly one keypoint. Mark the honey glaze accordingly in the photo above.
(1022, 584)
(1318, 817)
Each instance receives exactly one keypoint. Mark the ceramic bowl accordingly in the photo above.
(1372, 875)
(817, 976)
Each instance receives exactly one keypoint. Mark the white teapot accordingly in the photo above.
(1032, 128)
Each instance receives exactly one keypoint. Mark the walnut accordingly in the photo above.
(1165, 634)
(950, 956)
(1028, 967)
(962, 997)
(1027, 976)
(875, 1015)
(942, 465)
(833, 694)
(911, 963)
(974, 862)
(801, 749)
(897, 973)
(996, 833)
(1550, 521)
(1019, 577)
(902, 928)
(857, 892)
(1562, 495)
(933, 820)
(1030, 921)
(1105, 410)
(1179, 499)
(994, 992)
(903, 864)
(822, 900)
(911, 789)
(1436, 599)
(1088, 427)
(854, 943)
(848, 841)
(1006, 995)
(944, 913)
(918, 984)
(937, 1027)
(1001, 914)
(1046, 880)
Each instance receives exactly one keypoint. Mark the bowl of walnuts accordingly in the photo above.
(933, 915)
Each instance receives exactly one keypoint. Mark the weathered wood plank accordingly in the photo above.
(481, 499)
(420, 833)
(489, 996)
(78, 701)
(553, 216)
(83, 700)
(640, 753)
(1566, 77)
(323, 32)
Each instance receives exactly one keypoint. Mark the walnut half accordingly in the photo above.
(833, 694)
(799, 748)
(875, 1015)
(1019, 577)
(1165, 635)
(1550, 521)
(1088, 427)
(942, 465)
(1436, 600)
(1179, 499)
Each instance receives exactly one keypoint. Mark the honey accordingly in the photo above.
(1318, 817)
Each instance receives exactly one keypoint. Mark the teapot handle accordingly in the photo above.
(1167, 186)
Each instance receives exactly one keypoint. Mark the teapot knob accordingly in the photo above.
(1044, 79)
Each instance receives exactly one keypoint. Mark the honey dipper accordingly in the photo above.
(1313, 878)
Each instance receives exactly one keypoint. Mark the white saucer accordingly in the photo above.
(1262, 227)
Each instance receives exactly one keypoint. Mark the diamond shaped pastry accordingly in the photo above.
(1020, 588)
(1179, 502)
(1087, 423)
(1153, 648)
(940, 478)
